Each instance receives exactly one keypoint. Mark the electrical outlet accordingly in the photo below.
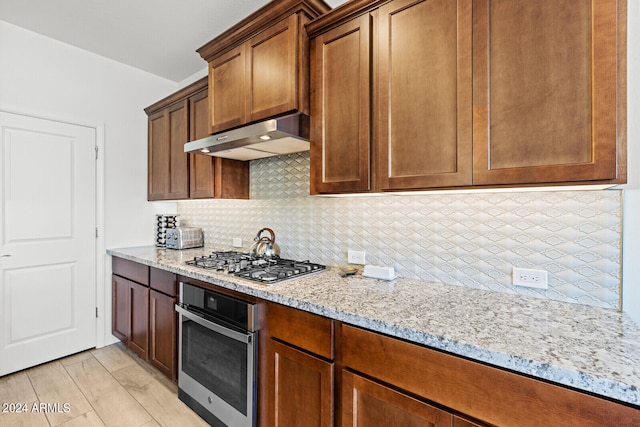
(530, 278)
(237, 242)
(355, 257)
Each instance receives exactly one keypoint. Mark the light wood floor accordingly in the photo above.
(102, 387)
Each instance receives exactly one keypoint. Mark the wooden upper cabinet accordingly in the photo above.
(257, 79)
(259, 68)
(201, 167)
(168, 164)
(424, 102)
(545, 93)
(158, 155)
(213, 176)
(178, 159)
(227, 93)
(392, 99)
(341, 108)
(417, 94)
(173, 121)
(272, 64)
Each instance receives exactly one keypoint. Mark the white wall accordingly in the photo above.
(195, 76)
(631, 206)
(46, 78)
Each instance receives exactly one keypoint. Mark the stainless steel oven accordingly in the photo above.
(217, 356)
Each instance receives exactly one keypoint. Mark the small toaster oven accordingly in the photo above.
(184, 238)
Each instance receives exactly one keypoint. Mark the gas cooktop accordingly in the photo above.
(263, 270)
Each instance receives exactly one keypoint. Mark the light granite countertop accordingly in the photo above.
(588, 348)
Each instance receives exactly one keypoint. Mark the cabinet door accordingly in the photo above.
(271, 70)
(120, 307)
(178, 159)
(158, 153)
(168, 163)
(162, 333)
(366, 403)
(300, 388)
(227, 92)
(213, 176)
(201, 167)
(425, 105)
(544, 91)
(340, 102)
(139, 320)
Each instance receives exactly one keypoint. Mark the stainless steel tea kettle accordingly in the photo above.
(265, 246)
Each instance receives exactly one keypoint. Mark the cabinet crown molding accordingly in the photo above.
(343, 13)
(261, 19)
(177, 96)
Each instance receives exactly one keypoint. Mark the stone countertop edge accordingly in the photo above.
(590, 349)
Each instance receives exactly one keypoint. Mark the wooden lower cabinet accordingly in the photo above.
(366, 403)
(461, 422)
(481, 392)
(296, 368)
(143, 316)
(163, 333)
(120, 307)
(138, 340)
(130, 315)
(301, 388)
(314, 371)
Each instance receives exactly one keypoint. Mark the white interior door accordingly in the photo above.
(47, 240)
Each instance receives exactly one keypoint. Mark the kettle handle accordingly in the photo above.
(273, 235)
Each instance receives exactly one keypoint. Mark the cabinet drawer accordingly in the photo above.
(492, 395)
(131, 270)
(163, 281)
(301, 329)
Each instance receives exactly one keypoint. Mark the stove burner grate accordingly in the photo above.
(262, 270)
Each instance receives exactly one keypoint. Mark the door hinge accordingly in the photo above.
(96, 312)
(96, 152)
(96, 232)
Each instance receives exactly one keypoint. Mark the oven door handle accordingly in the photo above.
(238, 336)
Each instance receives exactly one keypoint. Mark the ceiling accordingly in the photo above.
(157, 36)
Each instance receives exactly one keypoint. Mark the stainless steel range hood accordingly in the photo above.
(274, 137)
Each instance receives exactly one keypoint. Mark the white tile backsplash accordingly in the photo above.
(472, 240)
